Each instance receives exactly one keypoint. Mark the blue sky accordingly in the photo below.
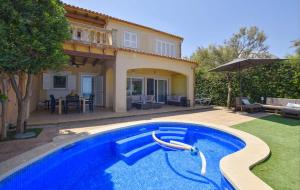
(204, 22)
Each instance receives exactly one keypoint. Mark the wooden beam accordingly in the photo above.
(86, 18)
(89, 55)
(98, 61)
(95, 62)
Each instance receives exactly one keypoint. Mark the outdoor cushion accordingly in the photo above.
(292, 105)
(135, 98)
(246, 102)
(273, 107)
(150, 98)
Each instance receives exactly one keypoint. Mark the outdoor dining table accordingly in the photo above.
(61, 100)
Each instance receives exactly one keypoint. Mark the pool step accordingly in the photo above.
(175, 138)
(135, 154)
(133, 148)
(127, 144)
(172, 129)
(130, 143)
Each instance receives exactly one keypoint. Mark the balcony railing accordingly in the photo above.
(90, 34)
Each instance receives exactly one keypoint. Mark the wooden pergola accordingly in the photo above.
(79, 58)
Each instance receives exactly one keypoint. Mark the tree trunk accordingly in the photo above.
(229, 94)
(23, 95)
(3, 130)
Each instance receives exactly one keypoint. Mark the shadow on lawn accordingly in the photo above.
(281, 120)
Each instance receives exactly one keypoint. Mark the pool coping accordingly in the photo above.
(235, 167)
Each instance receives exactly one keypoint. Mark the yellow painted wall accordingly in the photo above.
(179, 86)
(146, 38)
(127, 61)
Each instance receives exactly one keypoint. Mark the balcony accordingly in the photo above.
(89, 34)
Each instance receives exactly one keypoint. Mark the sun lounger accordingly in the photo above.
(243, 104)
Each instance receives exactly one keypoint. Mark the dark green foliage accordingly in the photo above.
(2, 97)
(280, 80)
(275, 80)
(32, 33)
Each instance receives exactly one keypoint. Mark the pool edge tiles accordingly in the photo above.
(227, 174)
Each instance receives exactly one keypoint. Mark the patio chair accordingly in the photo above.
(53, 103)
(90, 102)
(72, 101)
(243, 104)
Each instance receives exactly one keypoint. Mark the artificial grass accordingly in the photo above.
(282, 169)
(11, 134)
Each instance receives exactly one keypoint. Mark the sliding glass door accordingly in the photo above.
(158, 88)
(161, 93)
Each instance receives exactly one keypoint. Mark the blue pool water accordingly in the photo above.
(129, 159)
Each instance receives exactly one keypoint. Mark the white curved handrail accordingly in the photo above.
(169, 144)
(203, 161)
(183, 146)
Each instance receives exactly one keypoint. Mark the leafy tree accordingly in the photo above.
(296, 44)
(248, 42)
(32, 35)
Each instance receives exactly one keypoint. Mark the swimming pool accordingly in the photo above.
(129, 158)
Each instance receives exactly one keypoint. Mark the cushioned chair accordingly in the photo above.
(90, 102)
(177, 100)
(243, 104)
(53, 103)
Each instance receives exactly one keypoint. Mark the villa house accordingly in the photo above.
(113, 58)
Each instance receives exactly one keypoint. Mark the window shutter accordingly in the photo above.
(163, 52)
(98, 87)
(71, 82)
(133, 40)
(173, 50)
(46, 81)
(158, 47)
(168, 49)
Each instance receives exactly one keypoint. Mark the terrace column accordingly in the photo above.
(190, 88)
(120, 81)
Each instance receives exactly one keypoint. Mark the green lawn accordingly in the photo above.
(282, 170)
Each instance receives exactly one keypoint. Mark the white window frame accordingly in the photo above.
(131, 43)
(60, 75)
(165, 48)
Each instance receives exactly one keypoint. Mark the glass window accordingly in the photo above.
(87, 86)
(165, 48)
(59, 81)
(130, 39)
(129, 92)
(78, 36)
(135, 86)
